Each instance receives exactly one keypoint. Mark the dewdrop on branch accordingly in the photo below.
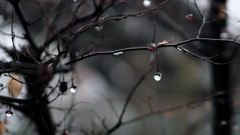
(117, 53)
(224, 35)
(9, 113)
(189, 16)
(152, 46)
(73, 89)
(98, 28)
(179, 49)
(146, 3)
(157, 76)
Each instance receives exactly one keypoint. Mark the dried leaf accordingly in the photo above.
(14, 86)
(162, 43)
(2, 127)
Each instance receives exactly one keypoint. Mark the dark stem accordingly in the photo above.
(119, 123)
(157, 60)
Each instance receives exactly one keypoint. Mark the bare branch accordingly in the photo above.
(23, 22)
(165, 45)
(188, 104)
(118, 124)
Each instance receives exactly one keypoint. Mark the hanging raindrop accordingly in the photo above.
(9, 113)
(117, 53)
(179, 49)
(63, 87)
(157, 76)
(146, 3)
(152, 46)
(190, 16)
(73, 89)
(98, 28)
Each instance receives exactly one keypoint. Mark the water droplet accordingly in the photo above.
(146, 3)
(189, 16)
(224, 35)
(179, 49)
(157, 76)
(73, 89)
(223, 123)
(152, 46)
(9, 113)
(63, 87)
(117, 53)
(98, 28)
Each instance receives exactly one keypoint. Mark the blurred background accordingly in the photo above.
(104, 81)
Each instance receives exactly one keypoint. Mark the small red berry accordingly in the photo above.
(152, 46)
(190, 16)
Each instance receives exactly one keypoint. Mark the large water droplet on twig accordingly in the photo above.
(9, 113)
(73, 89)
(157, 76)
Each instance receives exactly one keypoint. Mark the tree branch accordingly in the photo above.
(118, 124)
(165, 45)
(23, 22)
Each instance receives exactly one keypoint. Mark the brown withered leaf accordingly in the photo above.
(2, 127)
(162, 43)
(14, 87)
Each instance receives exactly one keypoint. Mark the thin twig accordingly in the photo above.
(165, 45)
(13, 37)
(23, 22)
(199, 11)
(201, 27)
(7, 34)
(9, 75)
(118, 124)
(69, 110)
(188, 105)
(100, 119)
